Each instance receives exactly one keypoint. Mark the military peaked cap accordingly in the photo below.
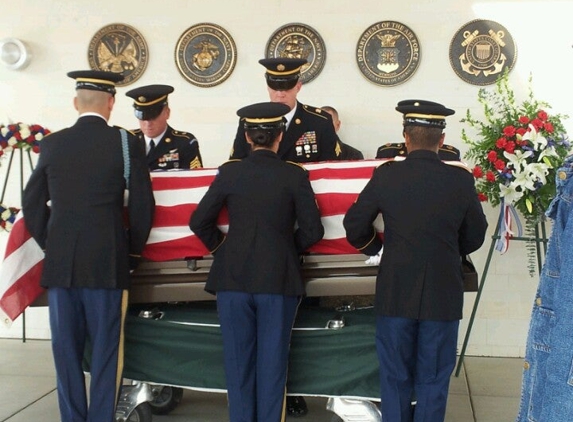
(263, 115)
(96, 80)
(282, 74)
(149, 100)
(424, 113)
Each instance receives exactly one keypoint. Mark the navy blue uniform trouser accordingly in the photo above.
(416, 361)
(256, 330)
(75, 315)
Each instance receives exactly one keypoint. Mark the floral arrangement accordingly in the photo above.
(7, 217)
(517, 150)
(21, 135)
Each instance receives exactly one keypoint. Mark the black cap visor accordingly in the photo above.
(148, 113)
(281, 83)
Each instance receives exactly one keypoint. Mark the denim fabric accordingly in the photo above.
(547, 387)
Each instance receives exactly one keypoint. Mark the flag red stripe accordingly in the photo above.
(173, 183)
(23, 292)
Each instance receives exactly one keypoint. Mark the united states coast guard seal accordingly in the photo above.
(481, 50)
(388, 53)
(205, 55)
(298, 41)
(119, 48)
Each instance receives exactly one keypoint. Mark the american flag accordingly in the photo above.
(336, 186)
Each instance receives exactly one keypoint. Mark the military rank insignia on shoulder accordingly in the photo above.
(391, 150)
(314, 110)
(386, 161)
(296, 164)
(182, 134)
(458, 164)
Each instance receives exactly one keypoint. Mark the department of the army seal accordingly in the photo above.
(205, 55)
(299, 41)
(481, 50)
(119, 48)
(388, 53)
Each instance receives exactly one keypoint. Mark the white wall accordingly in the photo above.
(59, 32)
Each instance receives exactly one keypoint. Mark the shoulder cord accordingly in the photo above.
(126, 163)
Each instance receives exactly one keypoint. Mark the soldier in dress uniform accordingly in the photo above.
(398, 149)
(310, 135)
(431, 217)
(166, 148)
(256, 267)
(73, 206)
(348, 151)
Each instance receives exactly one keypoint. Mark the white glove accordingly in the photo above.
(375, 260)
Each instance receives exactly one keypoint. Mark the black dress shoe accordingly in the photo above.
(296, 406)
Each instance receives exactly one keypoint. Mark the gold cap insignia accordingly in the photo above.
(281, 67)
(141, 99)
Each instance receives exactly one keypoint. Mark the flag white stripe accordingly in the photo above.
(18, 263)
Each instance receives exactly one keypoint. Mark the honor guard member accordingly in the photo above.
(256, 267)
(166, 148)
(310, 135)
(398, 149)
(432, 216)
(348, 152)
(74, 208)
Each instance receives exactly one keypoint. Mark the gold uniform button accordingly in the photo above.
(562, 175)
(526, 365)
(538, 301)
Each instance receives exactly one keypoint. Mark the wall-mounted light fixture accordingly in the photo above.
(14, 54)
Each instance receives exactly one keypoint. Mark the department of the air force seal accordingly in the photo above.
(481, 50)
(388, 53)
(205, 55)
(299, 41)
(119, 48)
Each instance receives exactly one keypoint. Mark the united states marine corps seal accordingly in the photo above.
(481, 50)
(205, 55)
(298, 41)
(388, 53)
(119, 48)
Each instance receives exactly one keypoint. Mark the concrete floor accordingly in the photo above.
(487, 390)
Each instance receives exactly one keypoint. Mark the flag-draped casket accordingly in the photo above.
(336, 186)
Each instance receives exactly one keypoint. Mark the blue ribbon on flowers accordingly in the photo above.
(507, 215)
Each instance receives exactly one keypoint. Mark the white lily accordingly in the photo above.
(510, 193)
(517, 159)
(525, 180)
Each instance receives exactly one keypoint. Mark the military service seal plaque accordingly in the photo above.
(388, 53)
(481, 50)
(298, 41)
(118, 48)
(205, 55)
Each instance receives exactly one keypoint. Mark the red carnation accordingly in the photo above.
(490, 176)
(500, 143)
(537, 124)
(524, 120)
(492, 156)
(499, 164)
(521, 131)
(477, 172)
(542, 115)
(482, 197)
(509, 131)
(36, 149)
(548, 127)
(510, 147)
